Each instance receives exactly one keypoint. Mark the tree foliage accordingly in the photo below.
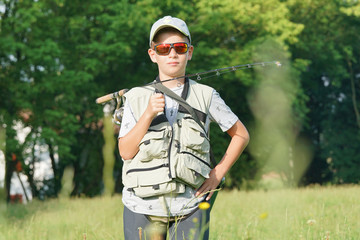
(331, 82)
(57, 56)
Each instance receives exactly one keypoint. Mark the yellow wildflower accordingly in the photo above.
(204, 205)
(264, 215)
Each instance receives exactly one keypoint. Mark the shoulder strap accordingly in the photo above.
(182, 102)
(160, 87)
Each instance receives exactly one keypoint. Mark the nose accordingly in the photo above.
(172, 52)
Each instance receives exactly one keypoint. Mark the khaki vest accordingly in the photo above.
(170, 156)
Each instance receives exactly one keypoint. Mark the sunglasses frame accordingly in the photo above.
(171, 46)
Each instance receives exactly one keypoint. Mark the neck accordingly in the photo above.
(173, 83)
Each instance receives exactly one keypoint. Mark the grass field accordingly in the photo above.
(309, 213)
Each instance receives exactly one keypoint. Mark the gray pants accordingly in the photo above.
(194, 226)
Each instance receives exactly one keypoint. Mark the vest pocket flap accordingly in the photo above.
(191, 171)
(198, 167)
(153, 146)
(154, 176)
(190, 123)
(193, 136)
(159, 189)
(155, 135)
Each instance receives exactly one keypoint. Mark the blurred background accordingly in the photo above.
(58, 56)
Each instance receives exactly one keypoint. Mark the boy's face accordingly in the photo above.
(174, 64)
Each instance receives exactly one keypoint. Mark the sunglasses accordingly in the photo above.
(165, 48)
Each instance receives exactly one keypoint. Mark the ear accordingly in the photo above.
(152, 53)
(190, 52)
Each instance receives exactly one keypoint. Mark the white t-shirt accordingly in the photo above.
(171, 204)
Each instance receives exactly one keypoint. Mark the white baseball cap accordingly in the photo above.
(169, 21)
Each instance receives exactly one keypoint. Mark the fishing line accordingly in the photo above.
(221, 71)
(198, 77)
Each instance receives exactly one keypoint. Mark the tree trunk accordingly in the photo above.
(353, 91)
(22, 186)
(55, 168)
(9, 168)
(9, 164)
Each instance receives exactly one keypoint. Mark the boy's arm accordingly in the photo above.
(129, 144)
(239, 140)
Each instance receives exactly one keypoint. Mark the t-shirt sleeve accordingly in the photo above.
(128, 120)
(221, 113)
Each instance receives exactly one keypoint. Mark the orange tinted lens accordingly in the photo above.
(163, 48)
(181, 48)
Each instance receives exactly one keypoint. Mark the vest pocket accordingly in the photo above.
(193, 136)
(148, 179)
(192, 170)
(153, 146)
(159, 189)
(130, 181)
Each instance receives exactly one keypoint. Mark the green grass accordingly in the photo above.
(310, 213)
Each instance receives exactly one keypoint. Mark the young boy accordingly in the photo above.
(166, 172)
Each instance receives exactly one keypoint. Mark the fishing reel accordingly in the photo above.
(120, 100)
(119, 110)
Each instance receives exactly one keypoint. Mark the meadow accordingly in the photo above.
(305, 213)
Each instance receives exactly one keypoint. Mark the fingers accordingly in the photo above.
(200, 191)
(156, 104)
(209, 185)
(209, 196)
(206, 188)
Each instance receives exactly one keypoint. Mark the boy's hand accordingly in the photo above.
(210, 184)
(156, 104)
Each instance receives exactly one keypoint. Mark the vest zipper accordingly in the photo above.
(146, 169)
(201, 160)
(169, 151)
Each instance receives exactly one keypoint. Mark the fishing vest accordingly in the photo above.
(170, 156)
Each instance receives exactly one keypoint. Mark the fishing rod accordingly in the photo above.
(118, 94)
(224, 70)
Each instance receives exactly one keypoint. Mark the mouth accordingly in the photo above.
(173, 63)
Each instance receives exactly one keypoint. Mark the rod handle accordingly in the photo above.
(110, 96)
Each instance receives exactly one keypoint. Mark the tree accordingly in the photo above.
(329, 43)
(57, 57)
(230, 33)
